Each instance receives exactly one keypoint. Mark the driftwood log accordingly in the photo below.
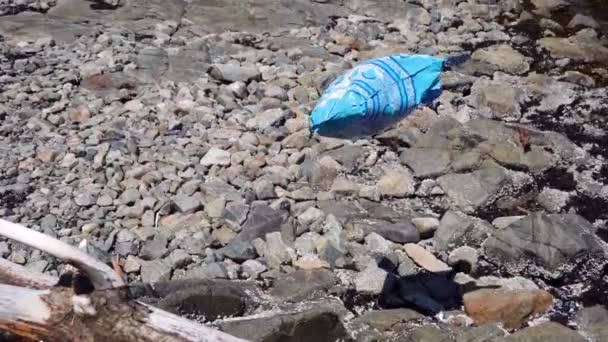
(90, 304)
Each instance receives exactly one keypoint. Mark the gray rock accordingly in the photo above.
(465, 258)
(314, 320)
(216, 156)
(324, 171)
(457, 229)
(215, 208)
(236, 212)
(264, 189)
(396, 183)
(344, 186)
(230, 73)
(253, 268)
(211, 271)
(130, 196)
(132, 264)
(179, 258)
(155, 248)
(548, 7)
(310, 216)
(262, 220)
(302, 285)
(84, 199)
(545, 332)
(427, 161)
(348, 156)
(371, 280)
(187, 204)
(503, 58)
(548, 239)
(591, 321)
(276, 252)
(399, 232)
(583, 21)
(497, 99)
(469, 191)
(268, 119)
(426, 226)
(386, 320)
(155, 271)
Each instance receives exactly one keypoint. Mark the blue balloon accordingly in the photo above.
(376, 94)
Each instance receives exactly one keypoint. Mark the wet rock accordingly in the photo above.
(396, 183)
(503, 58)
(545, 332)
(509, 307)
(548, 239)
(425, 259)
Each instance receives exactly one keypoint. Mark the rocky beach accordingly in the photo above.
(174, 135)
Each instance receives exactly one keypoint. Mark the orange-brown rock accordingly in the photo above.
(510, 307)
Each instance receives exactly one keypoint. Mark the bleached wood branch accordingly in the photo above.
(57, 313)
(13, 274)
(48, 315)
(101, 275)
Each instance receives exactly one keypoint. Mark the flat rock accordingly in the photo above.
(548, 331)
(371, 280)
(426, 161)
(302, 285)
(469, 191)
(425, 259)
(315, 321)
(399, 232)
(509, 307)
(216, 156)
(548, 239)
(385, 320)
(503, 58)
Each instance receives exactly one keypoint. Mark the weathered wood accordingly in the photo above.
(49, 315)
(49, 312)
(102, 275)
(13, 274)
